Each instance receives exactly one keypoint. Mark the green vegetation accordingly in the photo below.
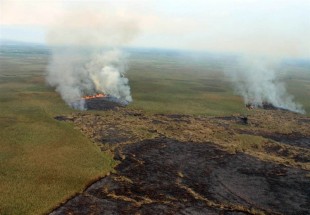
(181, 84)
(42, 161)
(249, 142)
(298, 84)
(160, 95)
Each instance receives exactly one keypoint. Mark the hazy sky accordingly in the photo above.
(277, 27)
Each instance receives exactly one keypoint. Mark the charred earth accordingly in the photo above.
(183, 164)
(104, 103)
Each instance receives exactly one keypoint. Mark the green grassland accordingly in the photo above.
(298, 84)
(44, 161)
(170, 83)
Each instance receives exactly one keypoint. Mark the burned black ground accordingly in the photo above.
(183, 164)
(106, 103)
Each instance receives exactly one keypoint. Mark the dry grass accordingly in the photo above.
(44, 161)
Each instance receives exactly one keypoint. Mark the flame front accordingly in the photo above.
(99, 95)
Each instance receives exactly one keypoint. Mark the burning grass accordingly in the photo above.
(179, 86)
(42, 161)
(99, 95)
(103, 102)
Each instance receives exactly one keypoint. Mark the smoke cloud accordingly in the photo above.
(86, 58)
(257, 80)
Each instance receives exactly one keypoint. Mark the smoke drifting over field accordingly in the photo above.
(80, 66)
(85, 56)
(257, 80)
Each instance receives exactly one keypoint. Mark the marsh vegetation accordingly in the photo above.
(45, 161)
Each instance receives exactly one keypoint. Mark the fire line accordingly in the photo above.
(99, 95)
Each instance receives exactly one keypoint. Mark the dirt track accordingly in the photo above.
(177, 164)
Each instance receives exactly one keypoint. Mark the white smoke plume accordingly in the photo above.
(85, 56)
(257, 80)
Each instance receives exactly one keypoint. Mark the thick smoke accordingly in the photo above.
(258, 81)
(85, 59)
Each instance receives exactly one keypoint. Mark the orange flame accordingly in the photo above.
(99, 95)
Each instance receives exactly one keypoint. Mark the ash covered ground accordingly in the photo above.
(184, 164)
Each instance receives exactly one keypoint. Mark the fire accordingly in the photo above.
(99, 95)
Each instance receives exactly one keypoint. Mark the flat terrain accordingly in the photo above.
(173, 82)
(183, 164)
(44, 161)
